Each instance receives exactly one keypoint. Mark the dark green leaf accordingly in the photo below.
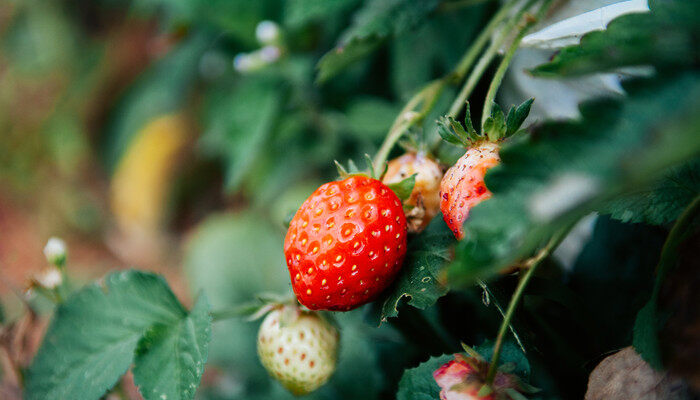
(345, 55)
(238, 123)
(374, 23)
(418, 383)
(565, 170)
(661, 202)
(666, 37)
(516, 116)
(418, 280)
(93, 336)
(300, 12)
(404, 188)
(646, 331)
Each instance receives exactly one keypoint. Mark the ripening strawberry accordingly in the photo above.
(458, 380)
(464, 377)
(463, 185)
(298, 348)
(424, 201)
(345, 244)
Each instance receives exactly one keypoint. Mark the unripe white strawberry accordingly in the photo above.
(298, 348)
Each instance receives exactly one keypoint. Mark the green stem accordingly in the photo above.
(429, 94)
(407, 118)
(527, 23)
(501, 72)
(228, 313)
(531, 265)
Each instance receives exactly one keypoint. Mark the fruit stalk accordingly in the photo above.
(531, 265)
(430, 93)
(527, 22)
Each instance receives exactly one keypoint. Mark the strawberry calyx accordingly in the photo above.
(497, 127)
(467, 374)
(402, 189)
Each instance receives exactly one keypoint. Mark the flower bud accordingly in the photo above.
(55, 251)
(49, 278)
(267, 32)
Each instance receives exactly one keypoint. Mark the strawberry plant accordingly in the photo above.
(523, 224)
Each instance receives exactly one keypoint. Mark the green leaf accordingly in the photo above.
(665, 38)
(300, 12)
(238, 123)
(418, 383)
(370, 117)
(649, 320)
(161, 89)
(661, 202)
(516, 117)
(93, 335)
(645, 339)
(418, 280)
(432, 48)
(565, 170)
(512, 359)
(374, 23)
(404, 188)
(170, 358)
(342, 56)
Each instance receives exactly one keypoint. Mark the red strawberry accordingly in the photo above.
(463, 186)
(425, 197)
(345, 244)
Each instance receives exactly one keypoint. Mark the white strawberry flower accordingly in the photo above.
(267, 32)
(55, 251)
(49, 278)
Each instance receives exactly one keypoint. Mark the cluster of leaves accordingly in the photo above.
(101, 330)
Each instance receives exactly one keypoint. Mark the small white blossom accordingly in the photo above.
(267, 32)
(242, 62)
(270, 54)
(55, 251)
(50, 278)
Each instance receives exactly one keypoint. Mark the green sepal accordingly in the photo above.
(452, 131)
(484, 391)
(473, 134)
(342, 172)
(370, 166)
(404, 188)
(516, 117)
(495, 125)
(352, 168)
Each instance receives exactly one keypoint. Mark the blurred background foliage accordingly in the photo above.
(129, 128)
